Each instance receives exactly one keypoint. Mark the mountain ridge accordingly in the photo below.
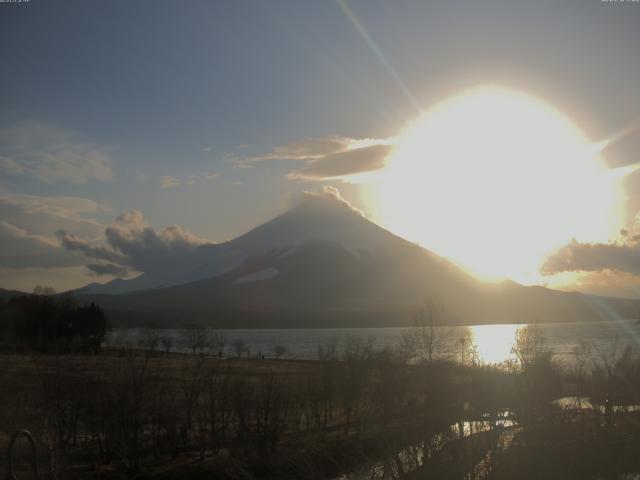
(322, 263)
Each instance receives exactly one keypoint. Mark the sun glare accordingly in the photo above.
(495, 179)
(494, 343)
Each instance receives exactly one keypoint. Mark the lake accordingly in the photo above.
(493, 343)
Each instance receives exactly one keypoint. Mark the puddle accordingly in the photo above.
(413, 457)
(584, 403)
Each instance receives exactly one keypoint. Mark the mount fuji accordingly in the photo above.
(323, 264)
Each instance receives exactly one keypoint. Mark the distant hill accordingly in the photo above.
(6, 295)
(322, 264)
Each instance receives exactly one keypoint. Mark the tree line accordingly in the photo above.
(47, 322)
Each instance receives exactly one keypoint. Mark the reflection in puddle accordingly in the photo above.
(401, 463)
(415, 456)
(584, 403)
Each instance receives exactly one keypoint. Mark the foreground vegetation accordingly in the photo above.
(393, 414)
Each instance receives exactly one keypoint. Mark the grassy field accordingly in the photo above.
(148, 412)
(143, 414)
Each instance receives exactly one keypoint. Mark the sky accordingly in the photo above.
(206, 117)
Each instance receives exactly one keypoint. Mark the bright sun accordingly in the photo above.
(495, 179)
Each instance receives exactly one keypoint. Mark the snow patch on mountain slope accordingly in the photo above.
(265, 274)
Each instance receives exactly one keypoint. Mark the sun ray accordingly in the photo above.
(619, 135)
(375, 49)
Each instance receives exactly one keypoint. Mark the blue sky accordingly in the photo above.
(148, 90)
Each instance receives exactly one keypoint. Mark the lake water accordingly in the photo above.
(493, 343)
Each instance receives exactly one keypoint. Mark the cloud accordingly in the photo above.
(343, 164)
(57, 206)
(44, 215)
(108, 269)
(52, 155)
(29, 222)
(209, 176)
(594, 257)
(131, 243)
(60, 278)
(305, 149)
(608, 283)
(98, 251)
(168, 181)
(19, 233)
(333, 157)
(327, 198)
(23, 249)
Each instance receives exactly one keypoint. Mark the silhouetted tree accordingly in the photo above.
(217, 342)
(240, 347)
(43, 290)
(45, 322)
(279, 350)
(167, 342)
(149, 340)
(197, 338)
(428, 333)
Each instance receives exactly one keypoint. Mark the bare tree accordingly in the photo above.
(279, 350)
(149, 340)
(329, 351)
(167, 342)
(530, 346)
(582, 353)
(217, 409)
(270, 412)
(240, 347)
(469, 355)
(197, 338)
(192, 384)
(135, 373)
(428, 333)
(352, 378)
(59, 406)
(539, 378)
(217, 342)
(43, 290)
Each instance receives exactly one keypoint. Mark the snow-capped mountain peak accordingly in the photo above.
(312, 218)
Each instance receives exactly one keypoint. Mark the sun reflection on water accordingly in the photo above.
(494, 343)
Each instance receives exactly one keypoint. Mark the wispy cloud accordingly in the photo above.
(24, 249)
(100, 269)
(207, 176)
(52, 155)
(168, 181)
(305, 149)
(43, 215)
(29, 222)
(61, 278)
(332, 157)
(344, 164)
